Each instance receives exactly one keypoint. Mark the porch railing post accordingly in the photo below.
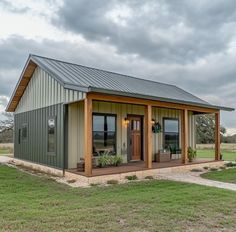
(184, 135)
(217, 135)
(88, 136)
(148, 136)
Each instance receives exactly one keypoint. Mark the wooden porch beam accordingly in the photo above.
(148, 136)
(88, 136)
(217, 136)
(144, 102)
(184, 135)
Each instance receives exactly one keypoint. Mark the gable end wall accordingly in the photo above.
(43, 91)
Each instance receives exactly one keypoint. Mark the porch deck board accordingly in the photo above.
(138, 166)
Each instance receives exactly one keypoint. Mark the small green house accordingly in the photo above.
(67, 114)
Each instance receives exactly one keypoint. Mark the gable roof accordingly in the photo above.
(86, 79)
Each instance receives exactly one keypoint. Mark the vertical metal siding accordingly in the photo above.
(34, 148)
(75, 126)
(43, 91)
(75, 133)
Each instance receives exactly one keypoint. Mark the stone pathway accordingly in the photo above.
(194, 177)
(189, 177)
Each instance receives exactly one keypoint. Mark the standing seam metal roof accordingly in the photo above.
(86, 79)
(78, 75)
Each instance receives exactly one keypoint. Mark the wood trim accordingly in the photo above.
(22, 85)
(217, 136)
(88, 136)
(148, 136)
(140, 101)
(184, 135)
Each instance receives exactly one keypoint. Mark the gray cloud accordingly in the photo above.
(7, 5)
(213, 80)
(164, 31)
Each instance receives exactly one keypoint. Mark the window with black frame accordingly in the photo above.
(104, 134)
(24, 132)
(171, 134)
(51, 137)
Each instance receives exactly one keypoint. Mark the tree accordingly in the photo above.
(6, 128)
(205, 126)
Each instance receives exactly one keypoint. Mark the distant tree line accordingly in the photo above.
(6, 128)
(205, 126)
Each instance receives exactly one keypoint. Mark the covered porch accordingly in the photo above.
(140, 166)
(148, 143)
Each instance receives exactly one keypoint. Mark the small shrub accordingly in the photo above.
(206, 168)
(94, 184)
(213, 169)
(71, 181)
(191, 154)
(149, 177)
(196, 170)
(134, 177)
(103, 159)
(116, 160)
(106, 159)
(112, 182)
(230, 164)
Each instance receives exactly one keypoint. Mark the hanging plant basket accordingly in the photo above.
(156, 128)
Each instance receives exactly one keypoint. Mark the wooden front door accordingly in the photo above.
(135, 137)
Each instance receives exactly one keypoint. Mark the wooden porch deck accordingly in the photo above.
(138, 166)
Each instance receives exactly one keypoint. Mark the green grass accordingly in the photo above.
(209, 153)
(228, 175)
(5, 151)
(30, 203)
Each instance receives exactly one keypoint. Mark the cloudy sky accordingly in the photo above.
(190, 43)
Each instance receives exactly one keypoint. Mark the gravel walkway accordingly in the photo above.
(189, 177)
(194, 177)
(4, 159)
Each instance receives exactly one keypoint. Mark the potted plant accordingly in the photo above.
(221, 156)
(116, 160)
(191, 154)
(103, 159)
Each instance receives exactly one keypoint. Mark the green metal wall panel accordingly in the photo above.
(34, 147)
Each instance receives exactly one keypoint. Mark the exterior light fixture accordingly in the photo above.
(126, 121)
(153, 121)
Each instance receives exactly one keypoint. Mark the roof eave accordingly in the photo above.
(17, 85)
(76, 87)
(127, 94)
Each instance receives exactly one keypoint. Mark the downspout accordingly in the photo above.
(65, 137)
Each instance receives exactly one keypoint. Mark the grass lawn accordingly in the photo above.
(209, 153)
(5, 150)
(30, 203)
(228, 175)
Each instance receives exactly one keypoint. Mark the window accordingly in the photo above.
(19, 136)
(52, 135)
(104, 133)
(24, 132)
(171, 134)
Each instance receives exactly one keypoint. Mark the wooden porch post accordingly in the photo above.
(217, 135)
(184, 135)
(88, 136)
(148, 136)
